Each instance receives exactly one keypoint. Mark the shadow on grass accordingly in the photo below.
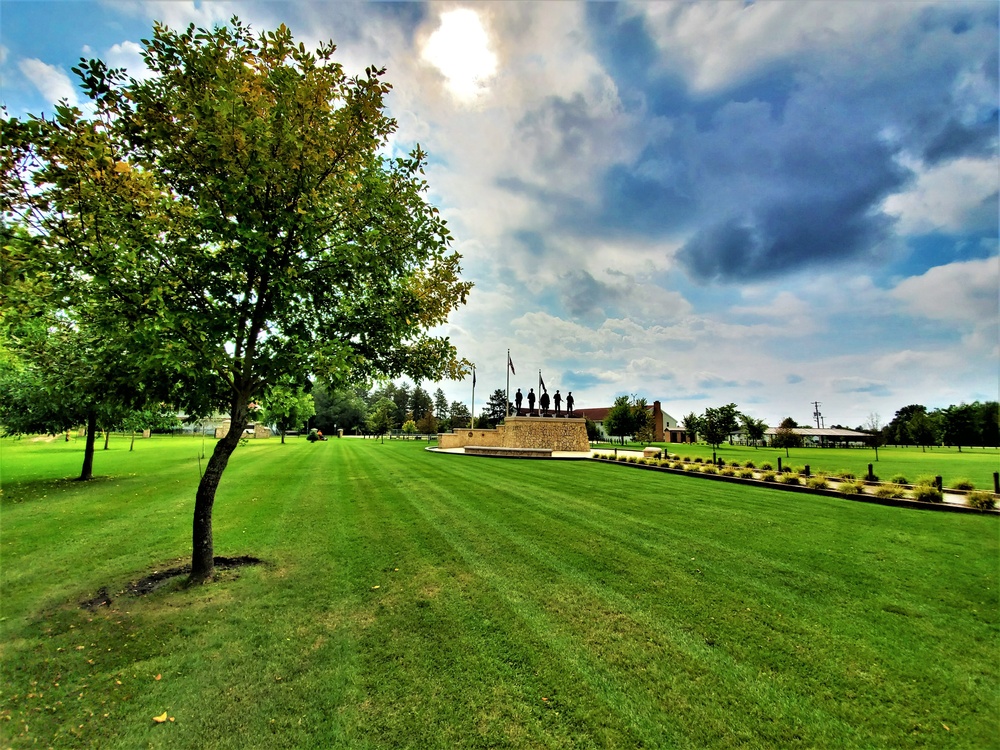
(39, 489)
(158, 578)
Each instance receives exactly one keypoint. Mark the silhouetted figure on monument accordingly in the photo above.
(558, 401)
(531, 400)
(543, 402)
(518, 398)
(569, 403)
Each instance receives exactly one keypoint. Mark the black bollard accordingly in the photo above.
(996, 482)
(779, 464)
(871, 474)
(939, 484)
(806, 472)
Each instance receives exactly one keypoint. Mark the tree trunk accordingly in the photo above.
(107, 437)
(132, 444)
(203, 551)
(88, 452)
(282, 437)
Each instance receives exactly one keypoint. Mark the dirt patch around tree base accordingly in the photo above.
(158, 578)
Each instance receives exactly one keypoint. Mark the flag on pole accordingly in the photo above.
(510, 364)
(473, 377)
(542, 382)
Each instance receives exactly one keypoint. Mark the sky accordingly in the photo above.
(765, 203)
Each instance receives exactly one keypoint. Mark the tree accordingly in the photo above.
(58, 374)
(410, 427)
(959, 425)
(876, 436)
(593, 434)
(691, 426)
(920, 429)
(897, 428)
(718, 423)
(755, 429)
(427, 424)
(237, 200)
(785, 436)
(382, 418)
(618, 422)
(287, 407)
(401, 397)
(459, 415)
(496, 408)
(339, 408)
(643, 423)
(440, 405)
(420, 401)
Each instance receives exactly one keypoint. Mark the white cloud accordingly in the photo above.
(52, 82)
(460, 49)
(959, 195)
(966, 292)
(721, 43)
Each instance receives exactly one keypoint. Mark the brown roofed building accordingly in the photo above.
(664, 426)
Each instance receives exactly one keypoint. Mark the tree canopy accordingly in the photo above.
(238, 202)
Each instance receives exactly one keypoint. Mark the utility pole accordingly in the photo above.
(816, 414)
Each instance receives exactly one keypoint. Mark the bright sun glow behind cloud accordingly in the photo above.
(459, 48)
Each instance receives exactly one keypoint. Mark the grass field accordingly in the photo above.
(975, 464)
(431, 601)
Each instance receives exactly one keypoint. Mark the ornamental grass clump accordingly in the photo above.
(982, 500)
(962, 484)
(898, 479)
(728, 471)
(709, 469)
(632, 459)
(749, 465)
(767, 476)
(621, 457)
(890, 490)
(852, 487)
(767, 466)
(818, 482)
(846, 475)
(746, 473)
(698, 459)
(927, 493)
(790, 479)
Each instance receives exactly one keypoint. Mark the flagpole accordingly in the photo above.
(506, 406)
(472, 422)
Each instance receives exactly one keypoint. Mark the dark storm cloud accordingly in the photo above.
(788, 167)
(958, 139)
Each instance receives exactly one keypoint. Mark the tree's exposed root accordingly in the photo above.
(158, 578)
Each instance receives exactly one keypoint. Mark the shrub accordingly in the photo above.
(595, 454)
(982, 500)
(767, 466)
(928, 493)
(962, 484)
(679, 465)
(634, 460)
(790, 479)
(749, 464)
(673, 457)
(852, 487)
(728, 471)
(709, 469)
(847, 475)
(890, 490)
(735, 464)
(698, 459)
(927, 479)
(898, 479)
(686, 459)
(818, 483)
(746, 473)
(690, 467)
(768, 476)
(798, 470)
(622, 457)
(313, 436)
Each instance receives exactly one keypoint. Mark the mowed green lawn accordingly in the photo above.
(433, 601)
(974, 464)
